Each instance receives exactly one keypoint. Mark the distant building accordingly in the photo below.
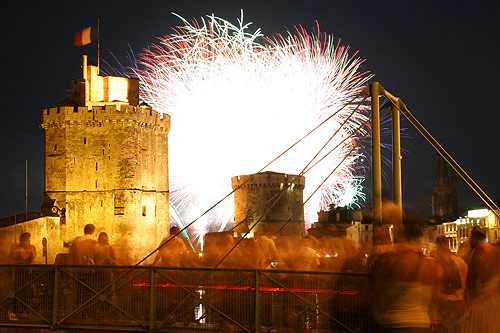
(459, 230)
(361, 234)
(106, 163)
(444, 194)
(338, 215)
(344, 222)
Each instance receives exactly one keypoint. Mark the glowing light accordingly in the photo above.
(238, 99)
(477, 213)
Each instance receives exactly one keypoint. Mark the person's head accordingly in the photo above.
(477, 236)
(442, 242)
(412, 228)
(103, 239)
(89, 229)
(24, 239)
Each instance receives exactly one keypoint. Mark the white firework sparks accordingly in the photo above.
(238, 99)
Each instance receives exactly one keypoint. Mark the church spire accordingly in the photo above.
(442, 178)
(444, 194)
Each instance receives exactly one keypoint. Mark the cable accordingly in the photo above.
(445, 158)
(452, 159)
(319, 186)
(334, 134)
(350, 136)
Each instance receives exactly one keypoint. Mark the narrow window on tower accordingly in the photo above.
(96, 183)
(55, 147)
(101, 203)
(103, 151)
(95, 166)
(84, 141)
(143, 210)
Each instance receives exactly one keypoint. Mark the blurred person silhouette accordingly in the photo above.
(105, 256)
(402, 284)
(249, 254)
(482, 285)
(172, 251)
(267, 245)
(286, 248)
(105, 252)
(465, 251)
(83, 250)
(24, 253)
(306, 256)
(356, 262)
(449, 306)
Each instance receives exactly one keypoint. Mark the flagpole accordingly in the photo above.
(98, 49)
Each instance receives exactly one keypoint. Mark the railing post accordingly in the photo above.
(257, 301)
(152, 300)
(55, 305)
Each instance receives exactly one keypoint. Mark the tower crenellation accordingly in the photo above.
(144, 115)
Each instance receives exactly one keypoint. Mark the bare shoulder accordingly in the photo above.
(431, 261)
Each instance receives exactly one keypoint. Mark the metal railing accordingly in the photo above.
(173, 299)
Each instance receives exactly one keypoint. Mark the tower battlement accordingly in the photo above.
(101, 115)
(268, 179)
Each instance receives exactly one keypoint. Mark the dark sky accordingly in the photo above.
(440, 57)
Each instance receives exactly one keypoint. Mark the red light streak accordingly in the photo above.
(220, 287)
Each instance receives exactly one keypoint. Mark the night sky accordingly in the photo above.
(440, 57)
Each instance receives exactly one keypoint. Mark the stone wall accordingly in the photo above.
(257, 192)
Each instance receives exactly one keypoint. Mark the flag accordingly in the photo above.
(86, 36)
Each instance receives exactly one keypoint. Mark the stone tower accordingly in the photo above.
(444, 194)
(251, 202)
(106, 163)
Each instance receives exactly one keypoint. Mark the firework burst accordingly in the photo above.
(238, 99)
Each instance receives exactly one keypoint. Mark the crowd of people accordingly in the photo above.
(443, 292)
(410, 291)
(84, 250)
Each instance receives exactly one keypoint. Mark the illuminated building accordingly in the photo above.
(459, 231)
(361, 234)
(258, 200)
(106, 163)
(345, 222)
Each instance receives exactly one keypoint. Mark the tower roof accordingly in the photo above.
(442, 178)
